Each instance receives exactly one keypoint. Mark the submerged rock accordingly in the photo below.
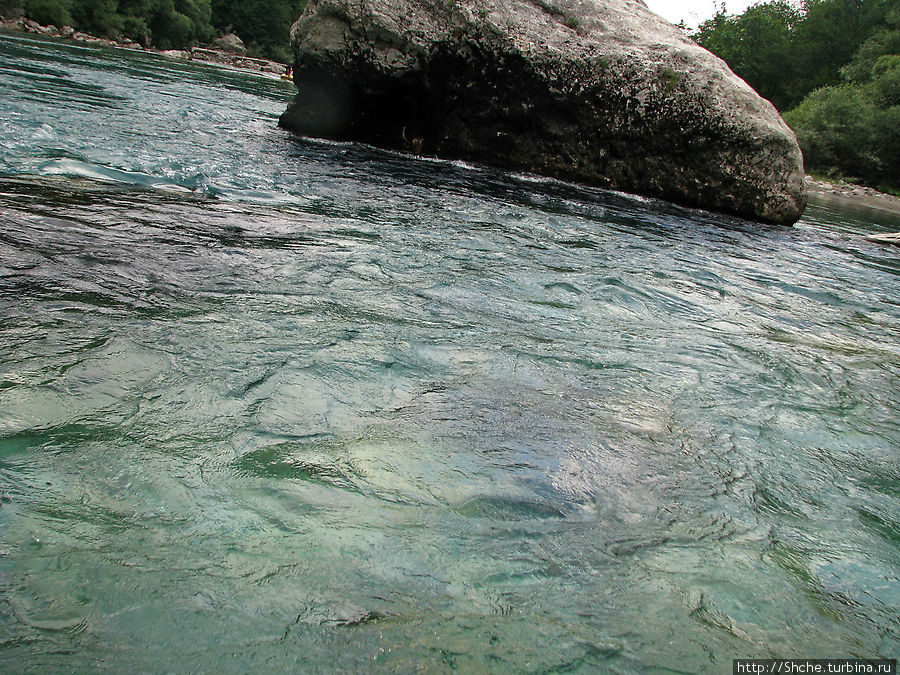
(599, 92)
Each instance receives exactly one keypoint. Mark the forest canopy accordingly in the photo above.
(832, 67)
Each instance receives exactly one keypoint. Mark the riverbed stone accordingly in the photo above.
(602, 92)
(231, 44)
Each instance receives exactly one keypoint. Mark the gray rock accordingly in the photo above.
(230, 43)
(12, 24)
(887, 238)
(175, 54)
(593, 91)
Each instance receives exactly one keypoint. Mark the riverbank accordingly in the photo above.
(203, 54)
(857, 195)
(848, 195)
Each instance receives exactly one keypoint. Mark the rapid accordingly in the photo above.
(277, 404)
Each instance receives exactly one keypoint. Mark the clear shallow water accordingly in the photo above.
(271, 404)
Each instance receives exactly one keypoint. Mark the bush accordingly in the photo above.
(886, 81)
(887, 122)
(136, 28)
(836, 129)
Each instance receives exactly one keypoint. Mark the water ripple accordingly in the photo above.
(294, 404)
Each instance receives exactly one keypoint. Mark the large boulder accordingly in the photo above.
(231, 44)
(602, 92)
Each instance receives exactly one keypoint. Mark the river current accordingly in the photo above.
(275, 404)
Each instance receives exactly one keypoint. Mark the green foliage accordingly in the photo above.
(167, 24)
(199, 12)
(98, 17)
(850, 130)
(835, 127)
(887, 122)
(784, 52)
(757, 46)
(263, 25)
(135, 28)
(48, 12)
(170, 30)
(886, 81)
(830, 33)
(880, 43)
(11, 9)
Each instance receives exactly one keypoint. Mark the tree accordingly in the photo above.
(884, 40)
(886, 125)
(886, 81)
(835, 64)
(850, 130)
(263, 25)
(831, 32)
(785, 53)
(758, 45)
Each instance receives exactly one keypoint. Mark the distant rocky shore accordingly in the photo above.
(859, 194)
(227, 51)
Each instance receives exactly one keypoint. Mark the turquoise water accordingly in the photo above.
(272, 404)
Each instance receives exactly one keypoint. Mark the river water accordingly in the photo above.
(273, 404)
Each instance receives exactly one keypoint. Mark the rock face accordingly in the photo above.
(602, 92)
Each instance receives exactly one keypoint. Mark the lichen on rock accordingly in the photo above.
(598, 92)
